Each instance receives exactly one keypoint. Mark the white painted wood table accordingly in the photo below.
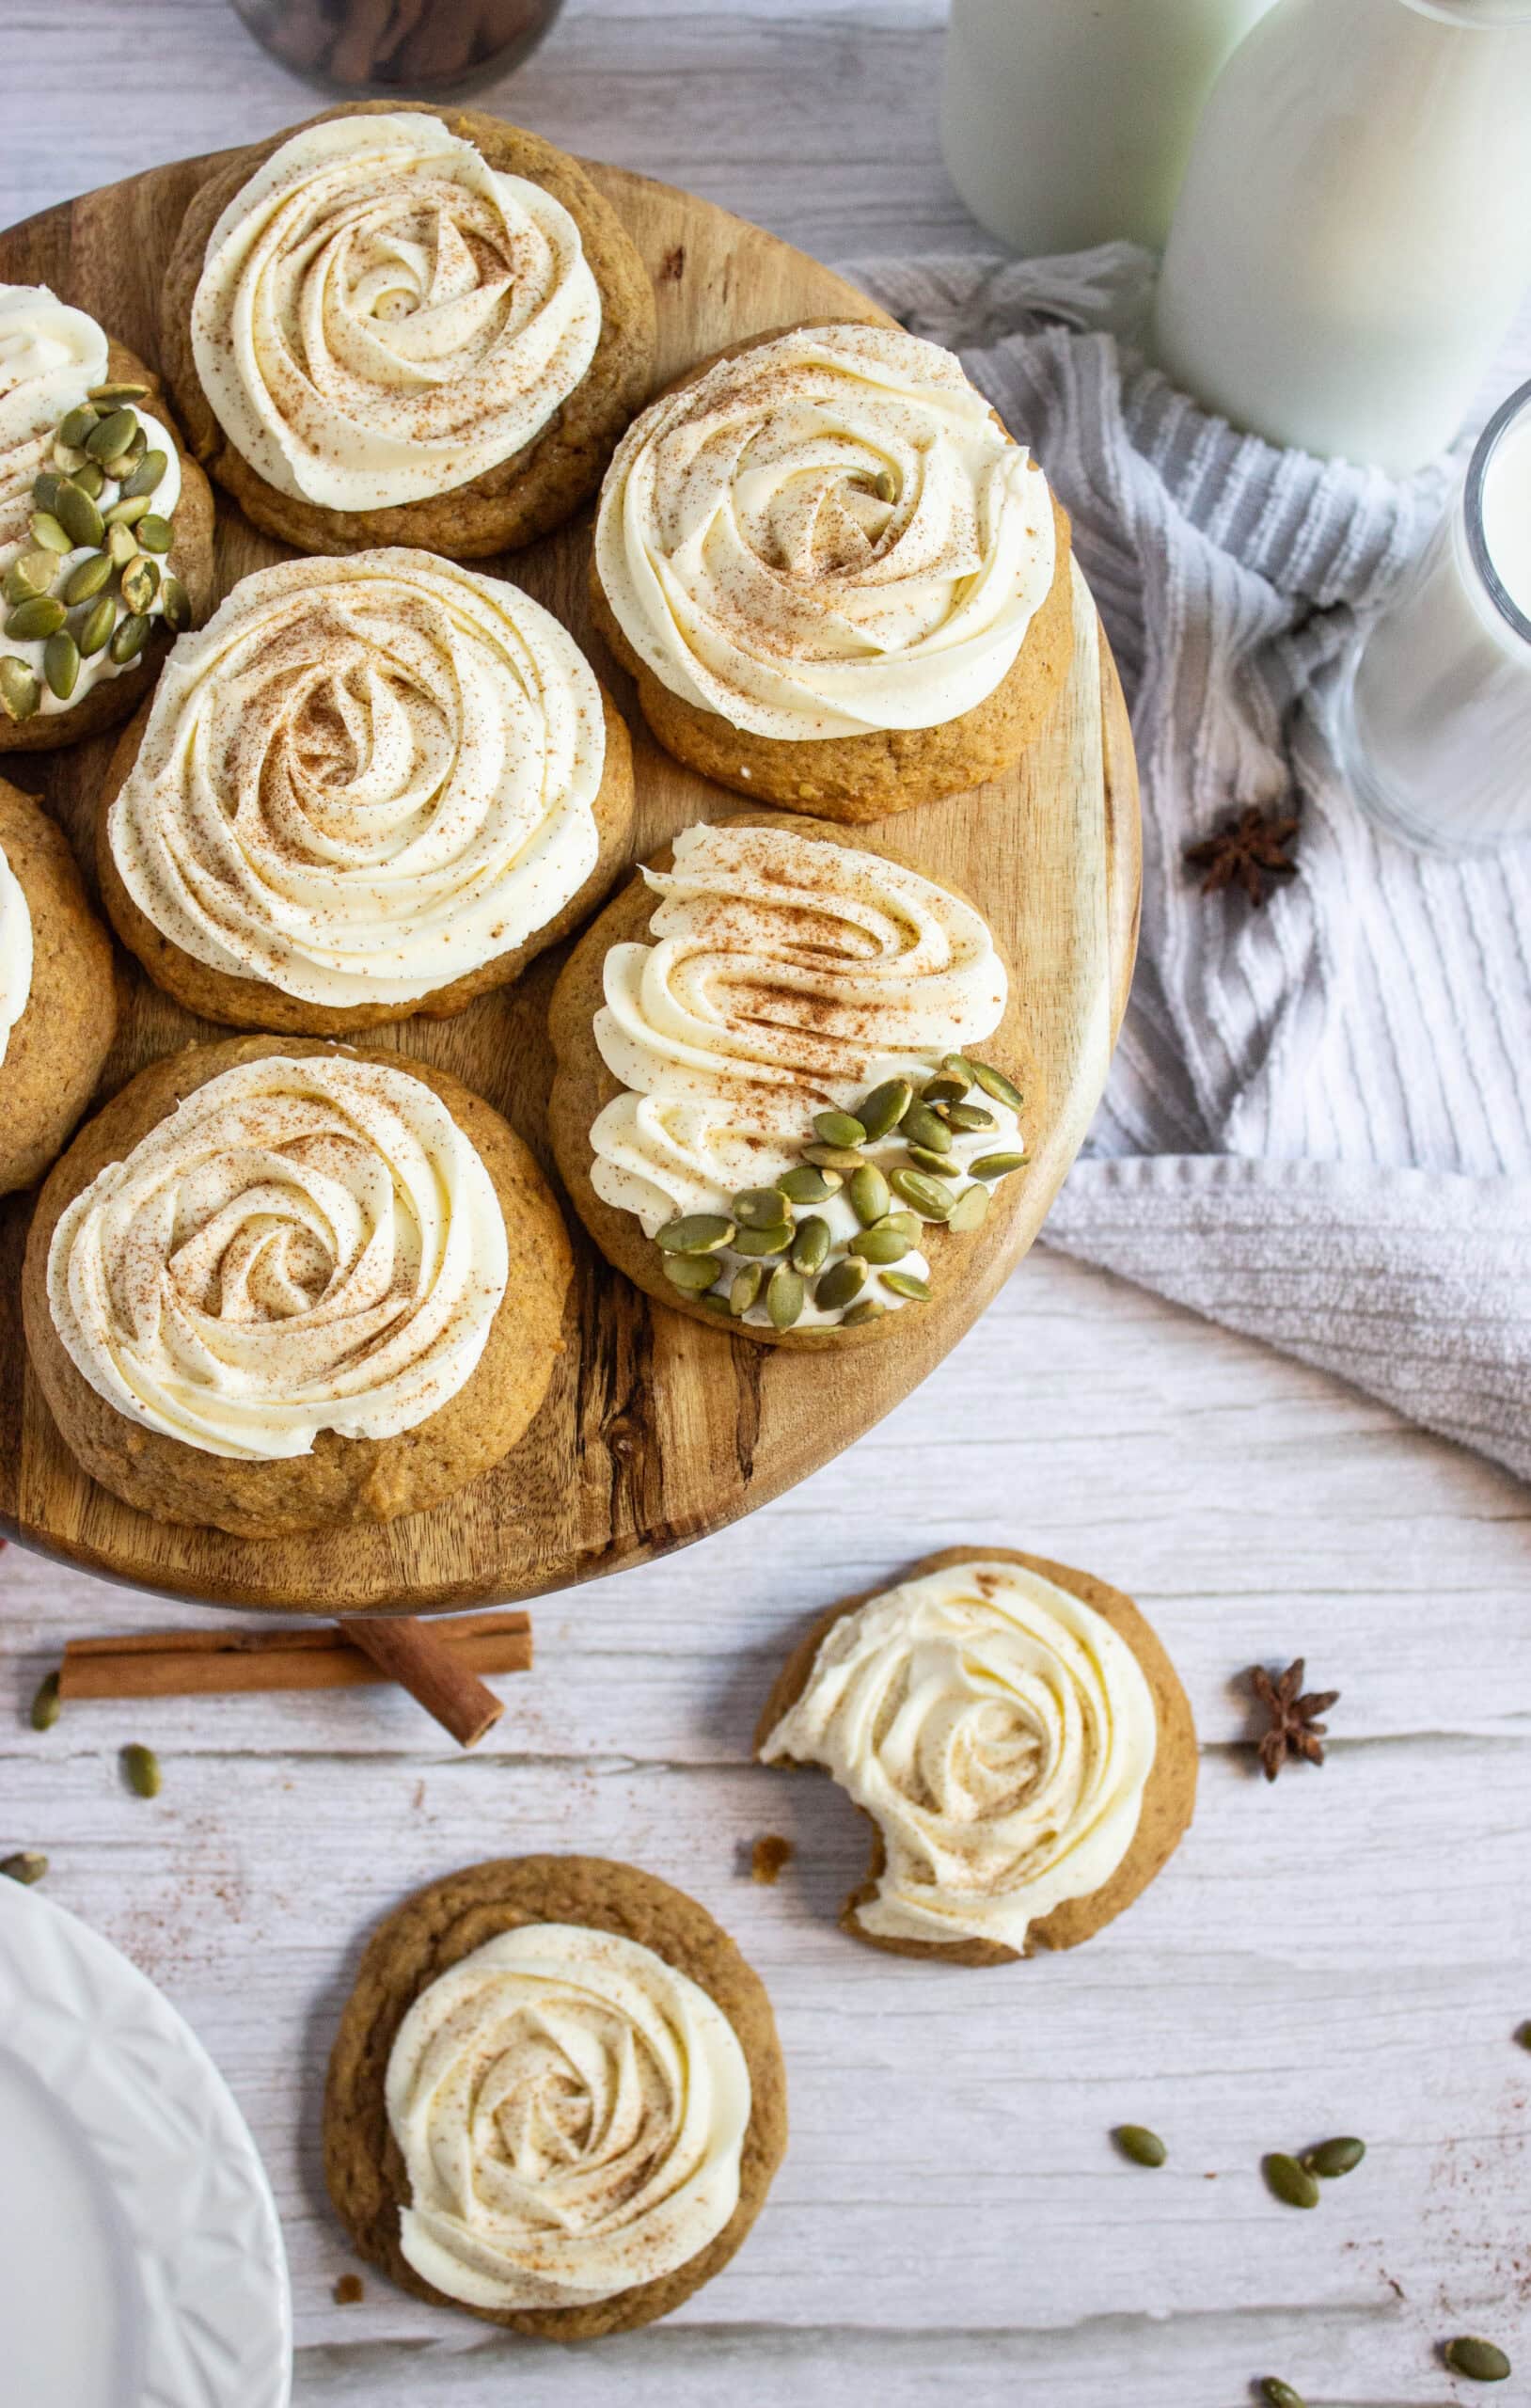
(1345, 1951)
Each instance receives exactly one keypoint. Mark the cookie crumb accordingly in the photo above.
(770, 1853)
(349, 2290)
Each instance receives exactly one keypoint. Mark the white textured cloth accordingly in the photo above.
(1318, 1127)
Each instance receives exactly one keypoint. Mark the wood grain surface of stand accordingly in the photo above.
(657, 1429)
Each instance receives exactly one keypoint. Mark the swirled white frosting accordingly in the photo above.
(998, 1730)
(785, 976)
(15, 952)
(50, 357)
(307, 1243)
(570, 2110)
(381, 317)
(826, 535)
(363, 778)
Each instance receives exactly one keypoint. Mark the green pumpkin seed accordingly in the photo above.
(61, 664)
(908, 1285)
(19, 691)
(78, 516)
(1290, 2182)
(942, 1090)
(175, 603)
(1332, 2159)
(743, 1288)
(694, 1232)
(155, 534)
(879, 1245)
(87, 577)
(968, 1116)
(1479, 2361)
(30, 573)
(45, 489)
(145, 475)
(78, 424)
(868, 1309)
(811, 1245)
(785, 1296)
(807, 1185)
(139, 583)
(694, 1273)
(120, 392)
(1142, 2146)
(841, 1285)
(1523, 2035)
(839, 1129)
(89, 479)
(111, 433)
(714, 1302)
(886, 485)
(996, 1084)
(881, 1111)
(27, 1866)
(929, 1196)
(910, 1223)
(141, 1771)
(46, 1708)
(121, 546)
(996, 1165)
(96, 626)
(48, 531)
(760, 1244)
(1281, 2395)
(827, 1157)
(870, 1195)
(130, 512)
(760, 1208)
(128, 640)
(924, 1127)
(31, 621)
(970, 1210)
(938, 1165)
(67, 457)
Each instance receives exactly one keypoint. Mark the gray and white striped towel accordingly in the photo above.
(1318, 1127)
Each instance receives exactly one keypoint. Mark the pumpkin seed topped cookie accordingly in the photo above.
(399, 324)
(105, 525)
(786, 1096)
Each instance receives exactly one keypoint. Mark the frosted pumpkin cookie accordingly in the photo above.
(401, 324)
(57, 991)
(765, 1108)
(555, 2098)
(105, 525)
(1018, 1739)
(370, 786)
(276, 1287)
(840, 584)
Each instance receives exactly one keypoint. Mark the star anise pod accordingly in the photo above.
(1295, 1728)
(1250, 850)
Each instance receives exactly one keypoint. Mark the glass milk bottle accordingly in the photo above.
(1354, 235)
(1430, 720)
(1065, 123)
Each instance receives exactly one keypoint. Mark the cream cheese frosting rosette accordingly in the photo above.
(826, 536)
(15, 952)
(365, 783)
(570, 2110)
(307, 1243)
(797, 1120)
(381, 317)
(998, 1731)
(84, 530)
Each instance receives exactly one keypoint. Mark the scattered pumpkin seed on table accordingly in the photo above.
(1279, 2394)
(1290, 2182)
(141, 1771)
(1332, 2159)
(1479, 2361)
(27, 1866)
(1137, 2142)
(46, 1707)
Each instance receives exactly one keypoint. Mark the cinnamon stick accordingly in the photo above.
(225, 1662)
(410, 1652)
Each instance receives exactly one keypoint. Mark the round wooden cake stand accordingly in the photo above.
(656, 1429)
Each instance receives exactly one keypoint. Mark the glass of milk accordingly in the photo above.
(1431, 720)
(1068, 122)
